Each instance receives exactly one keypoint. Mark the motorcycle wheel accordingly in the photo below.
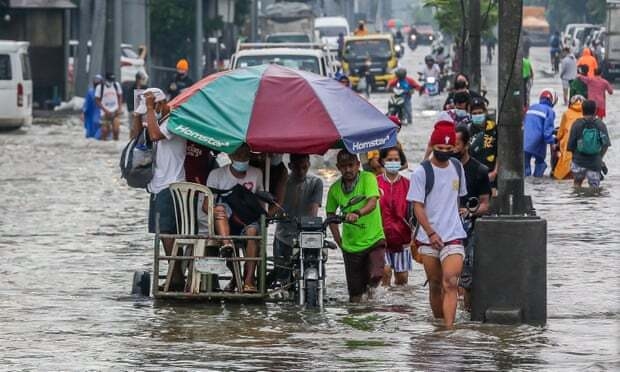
(312, 293)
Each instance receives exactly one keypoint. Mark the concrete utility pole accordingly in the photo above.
(98, 39)
(113, 37)
(80, 65)
(510, 249)
(474, 44)
(254, 21)
(199, 37)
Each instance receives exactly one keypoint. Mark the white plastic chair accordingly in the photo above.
(185, 198)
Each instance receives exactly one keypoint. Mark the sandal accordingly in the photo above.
(249, 288)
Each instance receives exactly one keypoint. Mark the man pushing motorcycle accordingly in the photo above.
(407, 85)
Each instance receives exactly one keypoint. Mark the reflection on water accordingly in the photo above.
(71, 234)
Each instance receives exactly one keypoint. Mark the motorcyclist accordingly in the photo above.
(407, 84)
(538, 132)
(430, 69)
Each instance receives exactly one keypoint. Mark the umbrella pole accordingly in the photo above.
(267, 172)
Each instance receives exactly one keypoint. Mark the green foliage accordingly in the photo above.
(449, 15)
(172, 26)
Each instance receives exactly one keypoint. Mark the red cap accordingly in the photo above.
(395, 120)
(443, 134)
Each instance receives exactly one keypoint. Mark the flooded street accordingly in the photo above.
(72, 234)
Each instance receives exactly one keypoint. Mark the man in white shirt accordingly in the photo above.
(441, 234)
(239, 172)
(430, 69)
(109, 97)
(169, 160)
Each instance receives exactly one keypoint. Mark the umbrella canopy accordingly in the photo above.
(395, 22)
(278, 110)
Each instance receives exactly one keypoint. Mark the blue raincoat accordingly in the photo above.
(538, 128)
(92, 114)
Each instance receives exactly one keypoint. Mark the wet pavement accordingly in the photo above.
(72, 234)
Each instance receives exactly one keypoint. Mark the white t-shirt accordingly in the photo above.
(433, 71)
(169, 160)
(441, 204)
(223, 179)
(109, 98)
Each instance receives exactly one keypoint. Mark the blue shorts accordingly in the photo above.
(162, 203)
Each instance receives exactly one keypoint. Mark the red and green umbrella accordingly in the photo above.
(278, 110)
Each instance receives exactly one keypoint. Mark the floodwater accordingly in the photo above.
(72, 234)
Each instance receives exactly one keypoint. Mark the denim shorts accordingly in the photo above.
(162, 203)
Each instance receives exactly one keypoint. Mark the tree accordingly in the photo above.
(451, 15)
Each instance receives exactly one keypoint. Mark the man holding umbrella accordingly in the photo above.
(362, 240)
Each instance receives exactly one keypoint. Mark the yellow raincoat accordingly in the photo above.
(562, 169)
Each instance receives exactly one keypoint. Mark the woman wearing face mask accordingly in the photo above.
(484, 138)
(393, 188)
(461, 84)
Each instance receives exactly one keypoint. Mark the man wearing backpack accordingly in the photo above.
(588, 141)
(435, 188)
(109, 97)
(169, 160)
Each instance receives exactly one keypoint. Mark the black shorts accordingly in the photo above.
(364, 268)
(162, 203)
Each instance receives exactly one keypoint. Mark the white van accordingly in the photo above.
(328, 29)
(15, 85)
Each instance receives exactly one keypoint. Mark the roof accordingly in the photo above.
(280, 51)
(330, 21)
(369, 37)
(41, 4)
(13, 46)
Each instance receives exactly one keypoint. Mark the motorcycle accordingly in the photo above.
(399, 49)
(412, 41)
(310, 252)
(431, 99)
(396, 103)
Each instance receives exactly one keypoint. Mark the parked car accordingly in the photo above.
(302, 56)
(131, 62)
(15, 85)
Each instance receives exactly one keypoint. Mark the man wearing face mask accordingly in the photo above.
(478, 186)
(461, 109)
(169, 160)
(484, 138)
(239, 172)
(461, 84)
(435, 189)
(393, 188)
(303, 197)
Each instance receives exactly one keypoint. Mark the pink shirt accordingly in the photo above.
(597, 86)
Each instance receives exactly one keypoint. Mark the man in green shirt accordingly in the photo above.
(528, 79)
(362, 240)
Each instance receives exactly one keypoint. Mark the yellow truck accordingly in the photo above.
(379, 48)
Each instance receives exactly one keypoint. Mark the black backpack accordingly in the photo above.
(245, 205)
(428, 187)
(138, 161)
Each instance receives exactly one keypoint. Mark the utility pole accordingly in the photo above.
(199, 41)
(510, 247)
(474, 44)
(80, 64)
(98, 39)
(113, 38)
(254, 21)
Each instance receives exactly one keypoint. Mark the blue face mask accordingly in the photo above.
(478, 119)
(240, 166)
(460, 113)
(392, 166)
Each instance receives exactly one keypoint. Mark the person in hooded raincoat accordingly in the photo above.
(574, 112)
(588, 59)
(538, 130)
(91, 114)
